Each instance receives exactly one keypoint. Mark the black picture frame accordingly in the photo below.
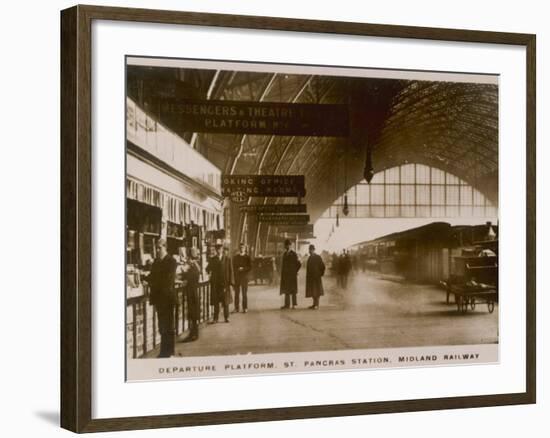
(76, 217)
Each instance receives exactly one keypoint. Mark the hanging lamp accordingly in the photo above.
(345, 209)
(368, 171)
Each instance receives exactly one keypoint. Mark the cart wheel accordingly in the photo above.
(490, 306)
(473, 304)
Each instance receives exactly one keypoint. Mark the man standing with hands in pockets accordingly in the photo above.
(241, 266)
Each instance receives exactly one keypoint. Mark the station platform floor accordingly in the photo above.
(373, 312)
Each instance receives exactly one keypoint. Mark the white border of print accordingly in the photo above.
(112, 397)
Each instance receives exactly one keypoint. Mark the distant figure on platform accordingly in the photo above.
(339, 268)
(242, 266)
(363, 262)
(345, 268)
(220, 268)
(290, 266)
(191, 274)
(315, 270)
(161, 281)
(335, 267)
(273, 271)
(268, 270)
(258, 269)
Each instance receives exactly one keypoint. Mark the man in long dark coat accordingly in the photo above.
(289, 276)
(191, 275)
(220, 268)
(163, 296)
(315, 270)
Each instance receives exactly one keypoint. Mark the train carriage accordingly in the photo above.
(430, 253)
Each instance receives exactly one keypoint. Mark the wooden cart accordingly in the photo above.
(475, 279)
(467, 297)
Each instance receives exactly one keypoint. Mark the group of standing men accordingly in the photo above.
(290, 266)
(225, 271)
(162, 280)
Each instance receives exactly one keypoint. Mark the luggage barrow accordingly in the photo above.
(468, 297)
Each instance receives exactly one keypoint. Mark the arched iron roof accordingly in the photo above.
(449, 125)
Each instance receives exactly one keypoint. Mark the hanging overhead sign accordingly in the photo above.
(296, 229)
(284, 219)
(280, 238)
(261, 118)
(240, 187)
(276, 238)
(275, 208)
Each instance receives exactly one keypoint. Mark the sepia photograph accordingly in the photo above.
(287, 218)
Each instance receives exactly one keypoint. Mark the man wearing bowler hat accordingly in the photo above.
(315, 270)
(220, 268)
(289, 275)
